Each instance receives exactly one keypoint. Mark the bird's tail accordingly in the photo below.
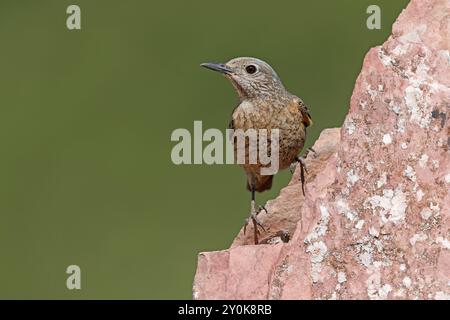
(262, 184)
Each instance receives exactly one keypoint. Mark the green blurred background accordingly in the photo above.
(86, 117)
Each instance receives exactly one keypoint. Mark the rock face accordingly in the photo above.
(375, 220)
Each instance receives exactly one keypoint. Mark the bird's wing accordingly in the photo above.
(231, 123)
(307, 120)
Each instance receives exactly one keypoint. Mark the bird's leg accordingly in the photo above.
(302, 163)
(296, 159)
(254, 211)
(303, 170)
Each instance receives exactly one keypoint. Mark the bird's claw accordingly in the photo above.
(308, 151)
(256, 220)
(256, 223)
(301, 161)
(262, 208)
(303, 170)
(254, 217)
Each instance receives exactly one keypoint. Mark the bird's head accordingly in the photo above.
(251, 77)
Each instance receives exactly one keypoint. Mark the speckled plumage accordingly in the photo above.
(285, 115)
(264, 104)
(269, 106)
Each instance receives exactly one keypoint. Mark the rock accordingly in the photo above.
(375, 220)
(283, 212)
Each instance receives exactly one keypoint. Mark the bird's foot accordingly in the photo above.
(303, 170)
(308, 151)
(254, 218)
(297, 159)
(280, 236)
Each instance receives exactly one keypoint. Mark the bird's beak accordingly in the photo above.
(219, 67)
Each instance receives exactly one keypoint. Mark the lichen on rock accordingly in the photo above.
(374, 223)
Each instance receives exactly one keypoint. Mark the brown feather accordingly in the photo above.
(262, 184)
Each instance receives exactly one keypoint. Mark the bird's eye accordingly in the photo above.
(251, 69)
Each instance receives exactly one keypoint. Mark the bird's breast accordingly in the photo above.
(265, 115)
(286, 118)
(251, 115)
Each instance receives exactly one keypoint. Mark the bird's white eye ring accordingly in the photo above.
(251, 69)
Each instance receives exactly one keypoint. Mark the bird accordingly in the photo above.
(264, 103)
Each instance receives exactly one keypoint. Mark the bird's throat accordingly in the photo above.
(239, 89)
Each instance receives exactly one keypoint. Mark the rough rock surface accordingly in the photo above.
(375, 220)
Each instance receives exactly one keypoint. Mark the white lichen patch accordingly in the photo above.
(383, 292)
(444, 242)
(401, 125)
(416, 108)
(426, 213)
(447, 178)
(412, 36)
(404, 146)
(384, 58)
(374, 289)
(350, 126)
(378, 245)
(435, 208)
(382, 181)
(445, 54)
(343, 209)
(400, 293)
(423, 160)
(441, 295)
(407, 282)
(402, 267)
(352, 178)
(419, 195)
(435, 164)
(391, 205)
(401, 49)
(369, 168)
(417, 237)
(359, 224)
(372, 93)
(318, 251)
(373, 285)
(387, 139)
(421, 73)
(365, 258)
(410, 173)
(374, 232)
(322, 226)
(395, 108)
(345, 191)
(195, 295)
(341, 277)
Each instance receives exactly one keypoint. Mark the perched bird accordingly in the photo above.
(264, 103)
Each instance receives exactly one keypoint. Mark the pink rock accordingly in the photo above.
(375, 220)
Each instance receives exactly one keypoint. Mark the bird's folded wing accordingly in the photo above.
(307, 120)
